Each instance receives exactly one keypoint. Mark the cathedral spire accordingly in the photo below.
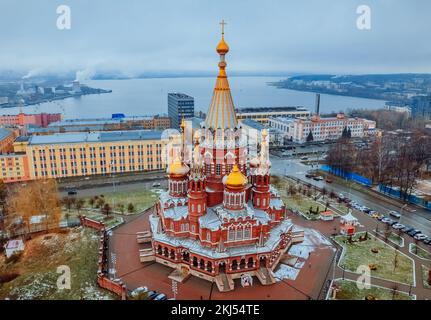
(221, 113)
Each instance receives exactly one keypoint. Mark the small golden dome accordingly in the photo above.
(222, 47)
(236, 179)
(178, 168)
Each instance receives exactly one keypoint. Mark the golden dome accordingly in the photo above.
(222, 47)
(236, 179)
(178, 168)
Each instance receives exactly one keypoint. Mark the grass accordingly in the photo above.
(359, 253)
(110, 221)
(298, 201)
(394, 238)
(350, 291)
(141, 199)
(425, 273)
(37, 268)
(421, 253)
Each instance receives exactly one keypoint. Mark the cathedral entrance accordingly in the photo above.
(262, 261)
(222, 267)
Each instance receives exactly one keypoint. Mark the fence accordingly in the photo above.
(347, 175)
(103, 281)
(396, 193)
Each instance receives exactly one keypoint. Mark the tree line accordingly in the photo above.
(395, 160)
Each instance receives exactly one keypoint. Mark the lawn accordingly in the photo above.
(37, 268)
(359, 253)
(141, 199)
(298, 201)
(394, 238)
(425, 273)
(350, 291)
(421, 253)
(110, 221)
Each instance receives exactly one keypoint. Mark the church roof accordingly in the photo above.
(221, 112)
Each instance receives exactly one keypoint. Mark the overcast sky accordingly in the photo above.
(134, 36)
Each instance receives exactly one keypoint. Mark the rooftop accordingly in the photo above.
(4, 133)
(179, 95)
(272, 109)
(98, 136)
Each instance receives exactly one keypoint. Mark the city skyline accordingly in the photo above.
(145, 37)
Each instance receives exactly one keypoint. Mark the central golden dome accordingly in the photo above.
(222, 47)
(236, 179)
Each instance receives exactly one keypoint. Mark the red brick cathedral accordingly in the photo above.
(220, 219)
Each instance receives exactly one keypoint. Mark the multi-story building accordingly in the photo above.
(7, 137)
(421, 107)
(22, 119)
(157, 122)
(262, 115)
(84, 154)
(297, 130)
(14, 167)
(180, 106)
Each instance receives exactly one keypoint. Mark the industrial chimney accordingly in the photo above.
(317, 104)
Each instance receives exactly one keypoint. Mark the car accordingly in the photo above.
(413, 232)
(309, 175)
(318, 178)
(366, 209)
(304, 158)
(398, 226)
(371, 212)
(427, 241)
(341, 196)
(406, 229)
(151, 295)
(161, 296)
(388, 221)
(420, 236)
(72, 192)
(328, 180)
(394, 214)
(156, 184)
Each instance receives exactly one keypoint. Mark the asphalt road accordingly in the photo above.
(411, 215)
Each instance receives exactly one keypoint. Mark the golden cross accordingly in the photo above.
(222, 23)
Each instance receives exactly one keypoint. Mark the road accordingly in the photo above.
(412, 216)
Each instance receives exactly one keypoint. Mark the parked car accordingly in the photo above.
(406, 229)
(161, 296)
(413, 232)
(420, 236)
(398, 226)
(309, 175)
(427, 241)
(394, 214)
(152, 295)
(318, 178)
(366, 209)
(156, 184)
(341, 196)
(328, 180)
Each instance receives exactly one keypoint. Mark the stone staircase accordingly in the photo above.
(265, 276)
(224, 282)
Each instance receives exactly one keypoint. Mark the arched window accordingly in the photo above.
(208, 236)
(247, 232)
(193, 228)
(199, 208)
(264, 202)
(231, 234)
(172, 226)
(258, 201)
(239, 233)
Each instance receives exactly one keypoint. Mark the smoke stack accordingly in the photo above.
(317, 103)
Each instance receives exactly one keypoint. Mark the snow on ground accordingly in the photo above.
(286, 272)
(312, 240)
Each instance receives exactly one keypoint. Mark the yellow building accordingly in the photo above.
(84, 154)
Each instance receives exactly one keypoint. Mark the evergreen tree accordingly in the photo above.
(310, 137)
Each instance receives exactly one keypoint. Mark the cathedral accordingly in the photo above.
(220, 219)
